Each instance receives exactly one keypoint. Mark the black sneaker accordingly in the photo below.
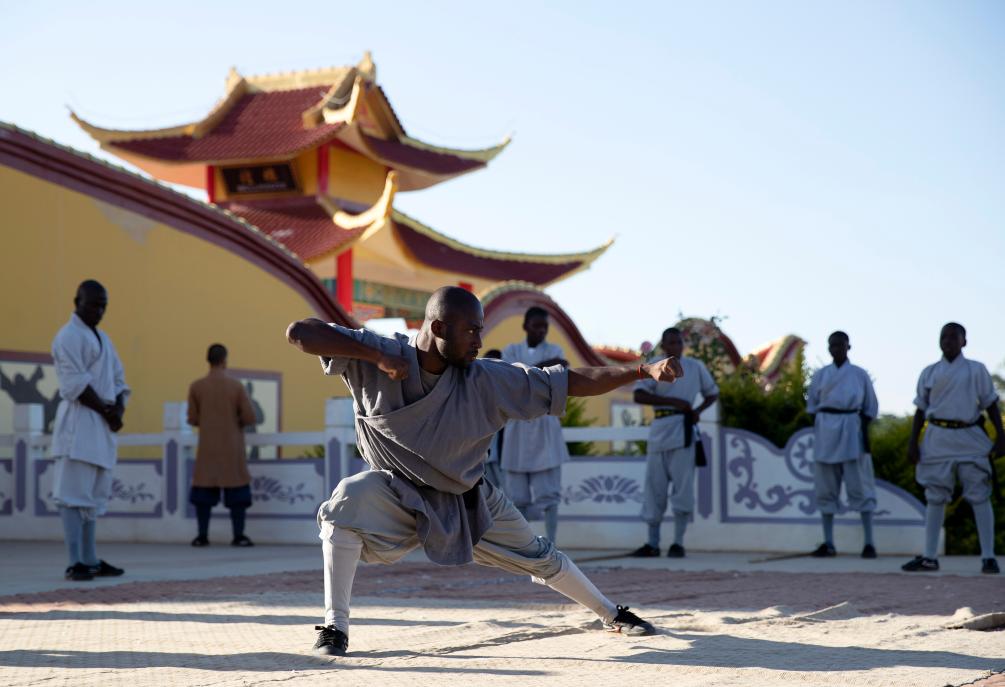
(627, 623)
(989, 566)
(78, 572)
(920, 564)
(868, 551)
(199, 542)
(242, 541)
(645, 551)
(103, 569)
(331, 642)
(825, 550)
(675, 551)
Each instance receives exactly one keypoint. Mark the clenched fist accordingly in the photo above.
(394, 366)
(666, 370)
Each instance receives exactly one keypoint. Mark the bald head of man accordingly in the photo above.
(455, 319)
(90, 302)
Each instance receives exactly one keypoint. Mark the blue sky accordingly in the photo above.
(795, 167)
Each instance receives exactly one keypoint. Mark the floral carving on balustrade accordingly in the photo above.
(604, 489)
(271, 489)
(773, 498)
(132, 493)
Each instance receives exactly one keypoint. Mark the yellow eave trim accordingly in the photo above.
(373, 217)
(480, 155)
(549, 259)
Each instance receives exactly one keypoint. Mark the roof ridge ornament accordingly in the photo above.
(367, 68)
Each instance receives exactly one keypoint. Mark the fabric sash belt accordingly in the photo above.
(957, 424)
(866, 445)
(665, 412)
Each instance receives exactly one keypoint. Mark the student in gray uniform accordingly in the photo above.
(493, 469)
(533, 450)
(671, 447)
(953, 395)
(426, 411)
(844, 403)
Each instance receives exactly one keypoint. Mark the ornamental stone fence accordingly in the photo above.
(751, 496)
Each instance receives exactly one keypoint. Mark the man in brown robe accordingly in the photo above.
(219, 406)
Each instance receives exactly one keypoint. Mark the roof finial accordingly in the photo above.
(366, 68)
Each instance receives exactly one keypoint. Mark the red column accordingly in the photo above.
(343, 280)
(211, 183)
(322, 171)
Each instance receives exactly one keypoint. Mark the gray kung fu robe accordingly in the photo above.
(433, 441)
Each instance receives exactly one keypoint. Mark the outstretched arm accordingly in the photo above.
(316, 337)
(594, 381)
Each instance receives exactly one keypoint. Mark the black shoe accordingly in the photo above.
(103, 569)
(627, 623)
(825, 550)
(78, 572)
(989, 566)
(868, 551)
(920, 564)
(675, 551)
(331, 642)
(199, 542)
(242, 541)
(645, 551)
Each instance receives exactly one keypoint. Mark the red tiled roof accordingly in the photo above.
(300, 224)
(266, 124)
(430, 161)
(442, 256)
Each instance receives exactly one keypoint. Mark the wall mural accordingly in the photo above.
(27, 378)
(265, 391)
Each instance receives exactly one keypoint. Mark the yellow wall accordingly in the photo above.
(354, 177)
(170, 295)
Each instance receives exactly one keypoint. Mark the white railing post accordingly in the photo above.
(29, 428)
(340, 433)
(175, 440)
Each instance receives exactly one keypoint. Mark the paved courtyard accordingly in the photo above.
(223, 616)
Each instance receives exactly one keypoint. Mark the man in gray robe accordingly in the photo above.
(843, 402)
(426, 410)
(953, 395)
(534, 450)
(673, 439)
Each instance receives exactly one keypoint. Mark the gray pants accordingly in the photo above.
(509, 544)
(390, 531)
(668, 470)
(938, 477)
(534, 492)
(827, 478)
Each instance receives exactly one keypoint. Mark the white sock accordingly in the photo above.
(571, 582)
(984, 517)
(341, 549)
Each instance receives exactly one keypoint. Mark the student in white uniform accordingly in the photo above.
(533, 450)
(427, 409)
(953, 396)
(843, 402)
(93, 389)
(673, 436)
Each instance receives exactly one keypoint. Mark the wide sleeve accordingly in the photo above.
(986, 393)
(921, 399)
(67, 354)
(519, 392)
(193, 407)
(338, 366)
(870, 404)
(245, 411)
(813, 397)
(708, 385)
(119, 375)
